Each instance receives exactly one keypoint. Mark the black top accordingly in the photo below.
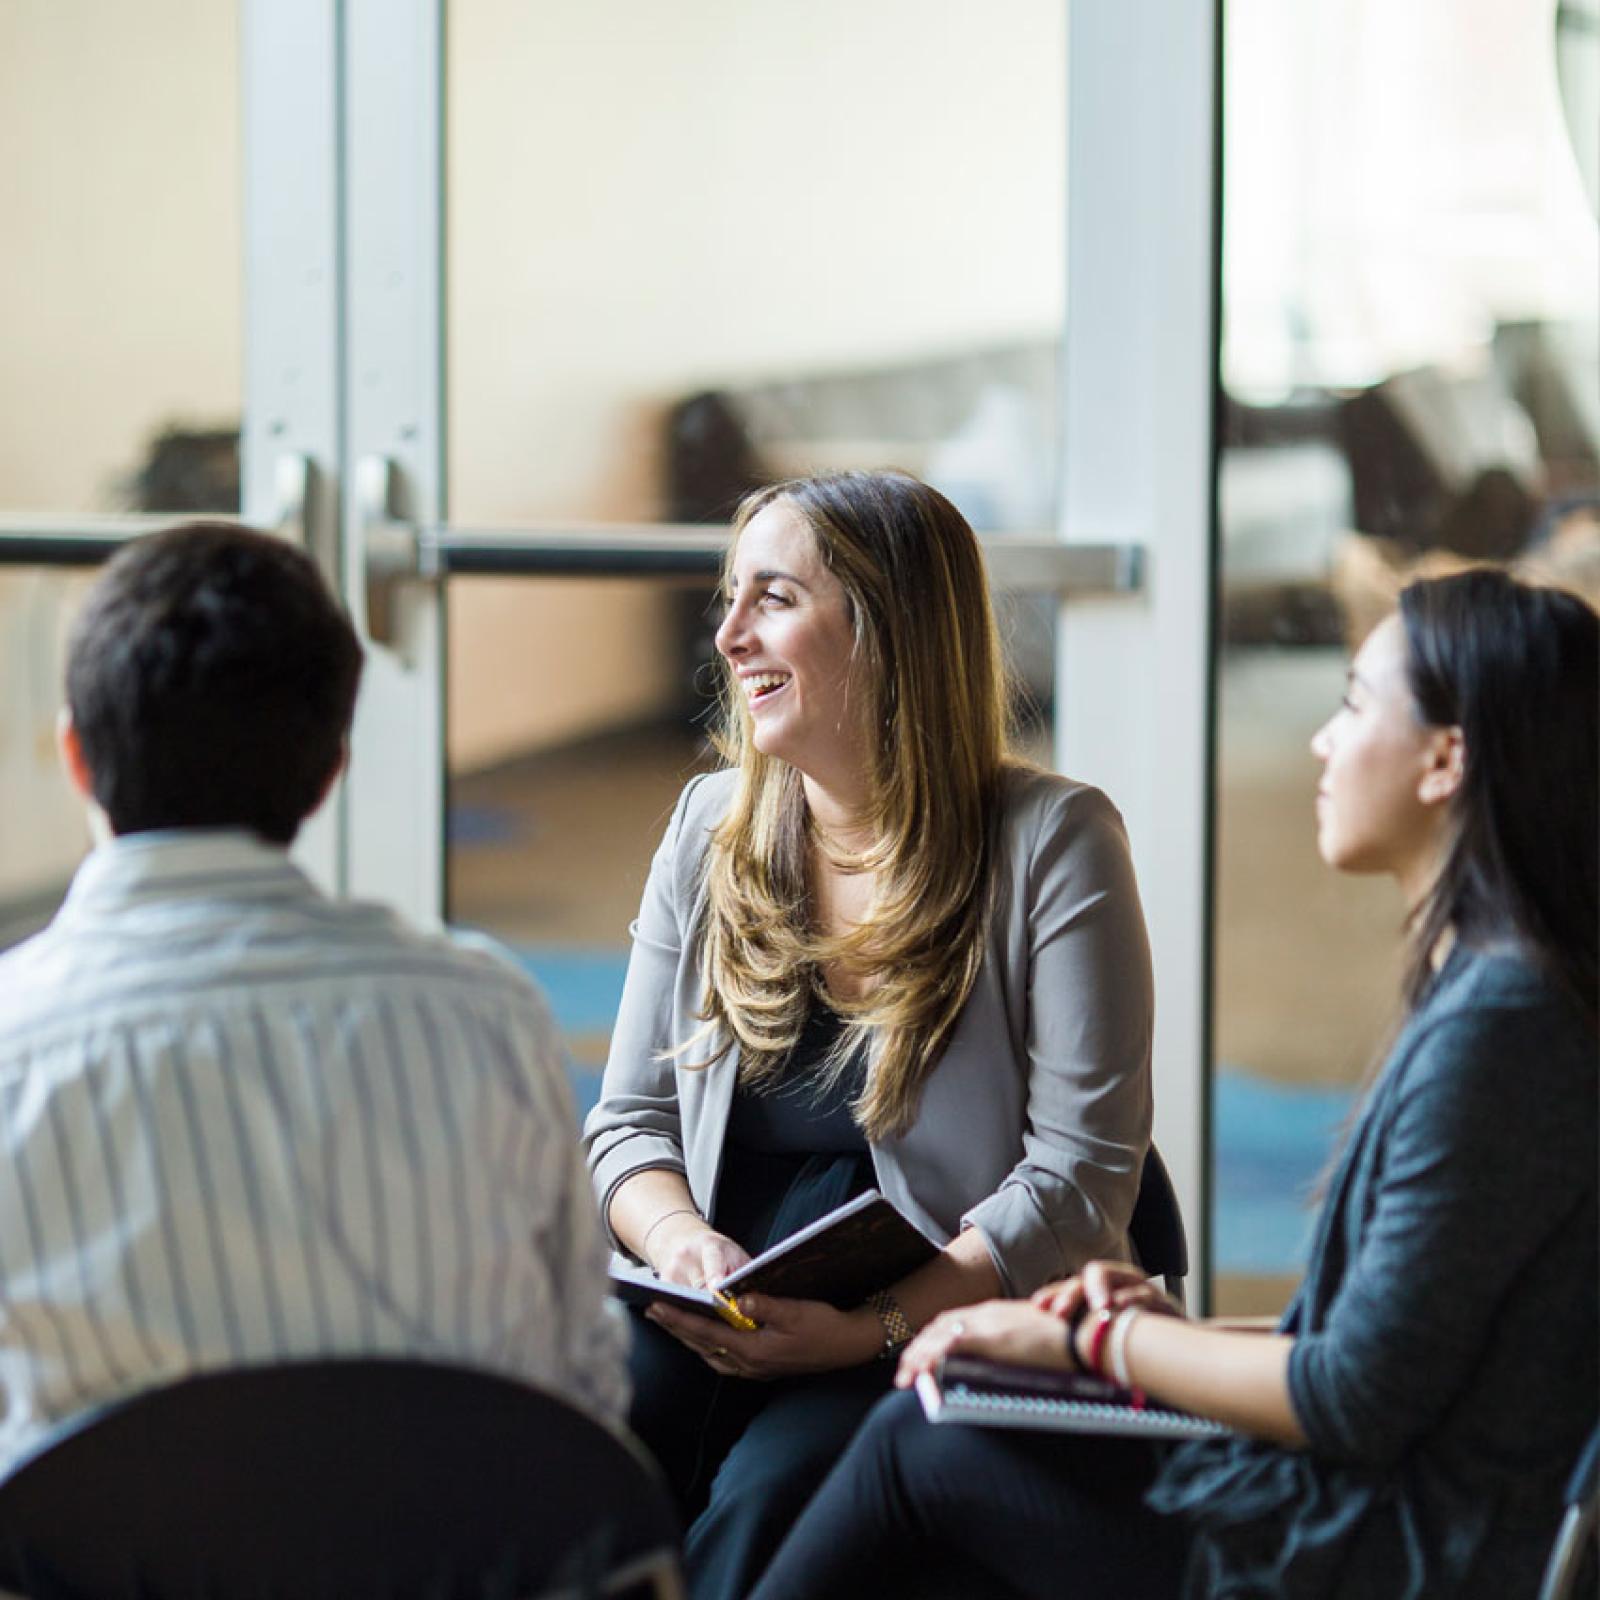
(797, 1115)
(792, 1152)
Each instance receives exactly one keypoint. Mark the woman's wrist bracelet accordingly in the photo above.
(1097, 1341)
(1117, 1347)
(896, 1325)
(1073, 1323)
(678, 1211)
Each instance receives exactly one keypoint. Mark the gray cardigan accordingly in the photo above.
(1447, 1360)
(1032, 1127)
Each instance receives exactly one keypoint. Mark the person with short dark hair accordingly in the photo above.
(240, 1121)
(1409, 1427)
(210, 684)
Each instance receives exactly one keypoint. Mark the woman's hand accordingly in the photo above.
(1002, 1330)
(1029, 1333)
(1105, 1286)
(1101, 1286)
(794, 1337)
(685, 1248)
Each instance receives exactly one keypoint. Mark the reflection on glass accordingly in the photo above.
(1409, 364)
(120, 283)
(692, 250)
(43, 836)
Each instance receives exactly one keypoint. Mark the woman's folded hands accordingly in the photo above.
(1043, 1331)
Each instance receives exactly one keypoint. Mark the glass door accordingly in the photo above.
(733, 251)
(683, 256)
(680, 255)
(1410, 380)
(144, 173)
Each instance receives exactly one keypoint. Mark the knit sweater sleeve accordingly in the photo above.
(1489, 1148)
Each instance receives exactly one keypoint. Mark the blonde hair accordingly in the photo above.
(927, 656)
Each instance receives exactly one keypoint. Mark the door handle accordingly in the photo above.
(389, 548)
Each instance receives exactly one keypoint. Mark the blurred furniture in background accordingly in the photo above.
(979, 425)
(187, 470)
(1471, 463)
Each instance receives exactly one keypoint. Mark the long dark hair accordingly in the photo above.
(1517, 669)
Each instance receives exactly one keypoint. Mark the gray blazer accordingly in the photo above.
(1034, 1124)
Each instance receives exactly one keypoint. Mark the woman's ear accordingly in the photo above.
(1447, 765)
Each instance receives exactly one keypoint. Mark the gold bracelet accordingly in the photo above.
(897, 1329)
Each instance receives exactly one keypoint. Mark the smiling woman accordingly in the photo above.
(788, 639)
(875, 951)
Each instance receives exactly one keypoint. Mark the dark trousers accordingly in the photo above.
(742, 1458)
(1048, 1515)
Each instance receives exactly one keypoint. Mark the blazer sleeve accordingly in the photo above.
(637, 1122)
(1090, 1011)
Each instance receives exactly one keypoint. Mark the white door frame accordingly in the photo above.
(344, 311)
(1134, 690)
(290, 80)
(394, 413)
(293, 301)
(344, 308)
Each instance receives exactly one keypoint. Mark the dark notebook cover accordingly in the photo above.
(841, 1258)
(995, 1394)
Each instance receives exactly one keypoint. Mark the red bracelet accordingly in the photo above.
(1097, 1339)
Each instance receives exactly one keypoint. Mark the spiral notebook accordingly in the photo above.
(967, 1389)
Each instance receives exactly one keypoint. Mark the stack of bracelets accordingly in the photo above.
(1107, 1356)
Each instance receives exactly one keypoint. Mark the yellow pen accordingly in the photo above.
(728, 1310)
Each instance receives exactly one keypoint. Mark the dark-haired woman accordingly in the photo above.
(875, 951)
(1407, 1430)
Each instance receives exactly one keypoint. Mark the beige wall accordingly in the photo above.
(643, 199)
(120, 275)
(119, 313)
(533, 665)
(42, 830)
(649, 199)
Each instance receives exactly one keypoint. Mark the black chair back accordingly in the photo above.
(360, 1479)
(1156, 1230)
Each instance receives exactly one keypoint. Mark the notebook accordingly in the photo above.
(968, 1389)
(863, 1245)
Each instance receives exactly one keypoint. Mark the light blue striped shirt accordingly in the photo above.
(240, 1121)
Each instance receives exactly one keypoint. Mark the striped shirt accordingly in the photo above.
(242, 1122)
